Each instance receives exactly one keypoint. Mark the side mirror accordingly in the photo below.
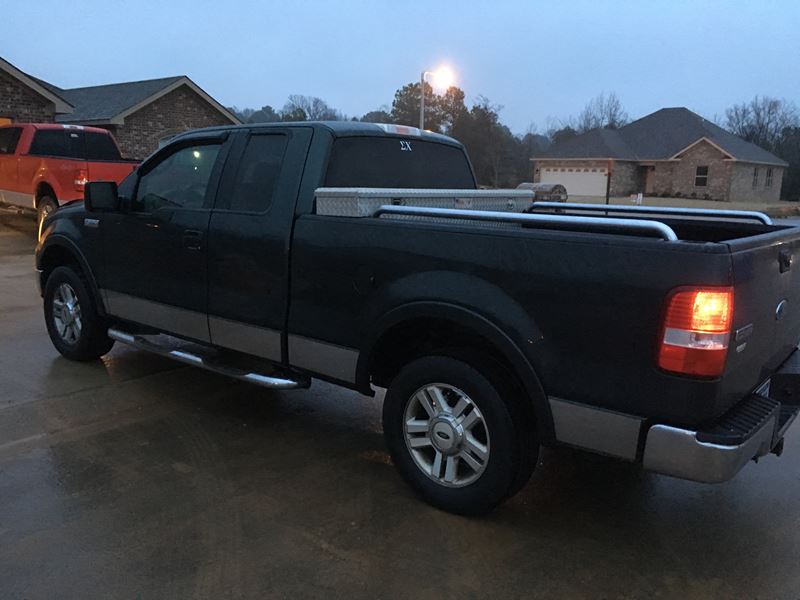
(101, 196)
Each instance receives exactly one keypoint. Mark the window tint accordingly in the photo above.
(63, 143)
(9, 136)
(701, 177)
(395, 162)
(178, 181)
(257, 174)
(100, 146)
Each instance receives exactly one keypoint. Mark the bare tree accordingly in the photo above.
(602, 111)
(315, 109)
(762, 121)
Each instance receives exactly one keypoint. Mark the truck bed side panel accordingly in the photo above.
(585, 309)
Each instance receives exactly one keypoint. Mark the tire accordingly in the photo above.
(47, 205)
(472, 419)
(70, 313)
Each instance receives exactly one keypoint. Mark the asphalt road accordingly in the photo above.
(136, 477)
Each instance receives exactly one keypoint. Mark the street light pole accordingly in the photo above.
(422, 99)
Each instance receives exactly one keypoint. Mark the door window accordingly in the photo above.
(178, 181)
(257, 174)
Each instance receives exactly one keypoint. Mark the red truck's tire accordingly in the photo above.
(81, 340)
(472, 429)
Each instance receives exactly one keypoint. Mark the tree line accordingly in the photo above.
(502, 158)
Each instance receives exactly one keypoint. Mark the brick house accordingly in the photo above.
(671, 152)
(24, 99)
(140, 114)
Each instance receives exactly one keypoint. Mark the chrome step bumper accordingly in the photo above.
(258, 372)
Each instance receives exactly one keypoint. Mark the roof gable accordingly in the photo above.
(663, 135)
(110, 104)
(37, 85)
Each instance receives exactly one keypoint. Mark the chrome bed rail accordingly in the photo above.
(751, 215)
(567, 222)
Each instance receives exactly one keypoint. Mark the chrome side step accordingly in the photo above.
(259, 372)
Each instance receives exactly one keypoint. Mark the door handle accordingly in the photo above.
(192, 239)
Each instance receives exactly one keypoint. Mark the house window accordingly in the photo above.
(755, 177)
(768, 182)
(701, 177)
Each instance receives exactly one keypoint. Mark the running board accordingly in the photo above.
(265, 374)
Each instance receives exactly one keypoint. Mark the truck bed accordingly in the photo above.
(585, 307)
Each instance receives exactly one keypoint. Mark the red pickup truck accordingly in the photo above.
(45, 165)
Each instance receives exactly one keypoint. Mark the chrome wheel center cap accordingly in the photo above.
(446, 434)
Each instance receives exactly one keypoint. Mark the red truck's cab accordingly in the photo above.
(45, 165)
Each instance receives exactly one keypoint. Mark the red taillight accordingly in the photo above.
(81, 179)
(697, 327)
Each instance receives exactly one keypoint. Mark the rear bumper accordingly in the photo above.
(678, 452)
(751, 430)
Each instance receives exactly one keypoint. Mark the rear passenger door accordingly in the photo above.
(249, 237)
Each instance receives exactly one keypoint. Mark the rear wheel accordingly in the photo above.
(74, 326)
(454, 435)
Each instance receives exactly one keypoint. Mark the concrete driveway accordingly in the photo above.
(136, 477)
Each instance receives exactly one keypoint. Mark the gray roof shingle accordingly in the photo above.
(104, 102)
(658, 136)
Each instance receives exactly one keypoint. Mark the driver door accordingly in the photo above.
(156, 252)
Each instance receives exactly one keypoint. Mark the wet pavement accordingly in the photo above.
(136, 477)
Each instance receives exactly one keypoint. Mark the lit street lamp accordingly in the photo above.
(443, 77)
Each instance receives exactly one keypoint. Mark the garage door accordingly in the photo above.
(578, 181)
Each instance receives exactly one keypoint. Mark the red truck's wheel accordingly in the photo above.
(74, 326)
(451, 434)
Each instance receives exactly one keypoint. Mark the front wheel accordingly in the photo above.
(452, 433)
(74, 326)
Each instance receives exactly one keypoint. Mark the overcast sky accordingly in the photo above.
(536, 59)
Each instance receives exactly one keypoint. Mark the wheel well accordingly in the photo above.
(44, 189)
(57, 256)
(423, 336)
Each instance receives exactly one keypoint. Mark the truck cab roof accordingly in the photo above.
(340, 129)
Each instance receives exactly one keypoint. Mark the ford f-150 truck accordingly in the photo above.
(45, 165)
(363, 255)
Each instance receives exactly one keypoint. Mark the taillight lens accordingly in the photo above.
(697, 329)
(81, 179)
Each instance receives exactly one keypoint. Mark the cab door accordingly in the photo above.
(249, 238)
(156, 251)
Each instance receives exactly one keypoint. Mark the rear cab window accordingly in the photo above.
(395, 162)
(257, 174)
(59, 143)
(100, 146)
(9, 137)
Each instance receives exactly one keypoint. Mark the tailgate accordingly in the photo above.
(110, 171)
(766, 321)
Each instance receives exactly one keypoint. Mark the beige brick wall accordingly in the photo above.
(742, 188)
(626, 179)
(177, 111)
(685, 169)
(22, 104)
